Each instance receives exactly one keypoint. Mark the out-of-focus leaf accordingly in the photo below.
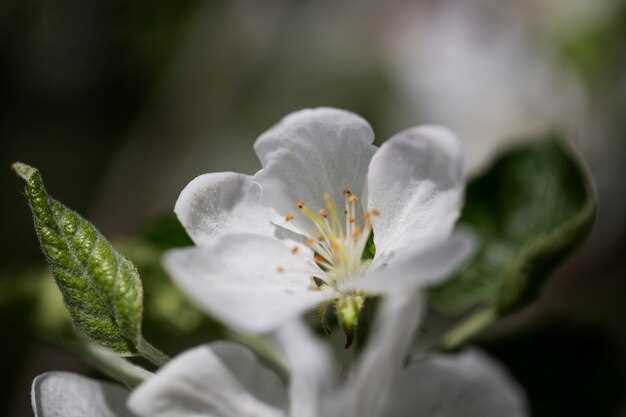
(166, 232)
(170, 319)
(100, 287)
(529, 211)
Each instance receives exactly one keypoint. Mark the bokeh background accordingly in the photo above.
(121, 103)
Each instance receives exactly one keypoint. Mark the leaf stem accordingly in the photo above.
(469, 327)
(111, 364)
(154, 355)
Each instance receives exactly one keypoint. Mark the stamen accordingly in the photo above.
(318, 258)
(289, 217)
(337, 245)
(318, 281)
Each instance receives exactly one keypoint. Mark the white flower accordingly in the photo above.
(485, 76)
(275, 244)
(226, 380)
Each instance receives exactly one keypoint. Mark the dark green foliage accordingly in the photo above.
(166, 232)
(529, 211)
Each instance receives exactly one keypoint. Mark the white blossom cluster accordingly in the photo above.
(275, 245)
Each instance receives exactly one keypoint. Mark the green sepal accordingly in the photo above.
(348, 308)
(101, 289)
(529, 211)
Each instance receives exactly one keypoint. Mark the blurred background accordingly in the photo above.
(120, 104)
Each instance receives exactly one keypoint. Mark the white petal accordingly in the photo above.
(468, 384)
(312, 369)
(56, 394)
(366, 394)
(256, 378)
(409, 270)
(222, 202)
(239, 280)
(310, 153)
(197, 383)
(415, 181)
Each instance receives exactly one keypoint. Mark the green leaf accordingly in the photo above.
(166, 232)
(530, 210)
(101, 289)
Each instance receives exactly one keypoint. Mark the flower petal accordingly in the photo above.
(222, 202)
(312, 369)
(468, 384)
(71, 395)
(198, 383)
(410, 269)
(415, 181)
(366, 394)
(311, 153)
(262, 382)
(252, 282)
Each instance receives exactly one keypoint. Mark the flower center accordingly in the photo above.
(338, 245)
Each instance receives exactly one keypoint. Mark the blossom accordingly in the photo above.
(486, 77)
(226, 380)
(273, 245)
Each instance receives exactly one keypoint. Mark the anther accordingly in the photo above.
(347, 193)
(289, 217)
(324, 213)
(300, 204)
(310, 242)
(356, 232)
(280, 269)
(368, 215)
(352, 220)
(352, 198)
(318, 281)
(295, 250)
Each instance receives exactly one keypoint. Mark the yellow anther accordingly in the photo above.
(337, 242)
(368, 215)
